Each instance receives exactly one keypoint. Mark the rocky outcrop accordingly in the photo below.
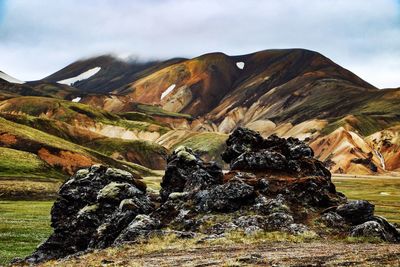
(93, 207)
(274, 184)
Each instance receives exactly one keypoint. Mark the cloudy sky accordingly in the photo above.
(38, 37)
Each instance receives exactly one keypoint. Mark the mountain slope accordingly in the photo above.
(196, 102)
(109, 73)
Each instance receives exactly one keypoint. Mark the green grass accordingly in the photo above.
(23, 225)
(16, 163)
(384, 193)
(40, 138)
(158, 111)
(69, 112)
(363, 124)
(210, 145)
(146, 149)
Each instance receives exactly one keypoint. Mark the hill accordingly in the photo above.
(196, 102)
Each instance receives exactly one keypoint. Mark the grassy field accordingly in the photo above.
(383, 192)
(23, 225)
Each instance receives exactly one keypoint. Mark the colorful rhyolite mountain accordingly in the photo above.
(131, 114)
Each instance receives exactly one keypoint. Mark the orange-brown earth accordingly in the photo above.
(351, 125)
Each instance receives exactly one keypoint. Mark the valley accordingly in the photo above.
(21, 219)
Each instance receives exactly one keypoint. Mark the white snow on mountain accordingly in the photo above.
(169, 90)
(83, 76)
(76, 99)
(8, 78)
(240, 65)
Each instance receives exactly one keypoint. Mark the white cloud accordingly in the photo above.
(39, 37)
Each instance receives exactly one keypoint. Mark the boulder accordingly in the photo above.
(356, 212)
(378, 227)
(368, 229)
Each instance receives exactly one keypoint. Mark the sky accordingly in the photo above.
(38, 37)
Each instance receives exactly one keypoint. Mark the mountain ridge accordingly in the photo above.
(197, 101)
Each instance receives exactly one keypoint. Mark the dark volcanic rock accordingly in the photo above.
(333, 220)
(377, 227)
(240, 141)
(356, 212)
(140, 227)
(227, 197)
(87, 211)
(248, 151)
(187, 172)
(275, 184)
(260, 160)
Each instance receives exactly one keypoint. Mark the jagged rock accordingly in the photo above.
(278, 204)
(276, 185)
(240, 141)
(260, 160)
(278, 221)
(227, 197)
(87, 203)
(333, 220)
(188, 173)
(139, 228)
(356, 212)
(254, 222)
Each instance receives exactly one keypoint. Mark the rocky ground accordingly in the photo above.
(274, 185)
(263, 254)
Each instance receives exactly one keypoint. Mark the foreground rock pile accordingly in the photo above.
(273, 184)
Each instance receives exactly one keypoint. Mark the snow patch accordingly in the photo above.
(9, 79)
(381, 159)
(76, 99)
(169, 90)
(83, 76)
(240, 65)
(384, 193)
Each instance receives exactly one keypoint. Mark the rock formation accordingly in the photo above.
(274, 184)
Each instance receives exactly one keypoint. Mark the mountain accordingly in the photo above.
(136, 112)
(104, 73)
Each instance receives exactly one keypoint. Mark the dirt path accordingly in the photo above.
(266, 254)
